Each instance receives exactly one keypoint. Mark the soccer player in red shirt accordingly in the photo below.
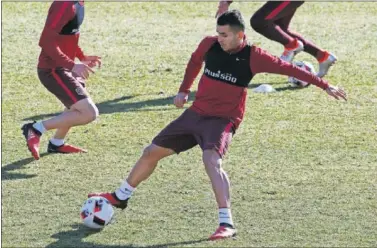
(64, 78)
(272, 21)
(217, 111)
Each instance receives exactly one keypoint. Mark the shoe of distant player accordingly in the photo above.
(112, 198)
(32, 137)
(325, 64)
(223, 231)
(65, 148)
(290, 53)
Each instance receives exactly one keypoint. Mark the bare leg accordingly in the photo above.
(219, 179)
(62, 132)
(146, 164)
(81, 113)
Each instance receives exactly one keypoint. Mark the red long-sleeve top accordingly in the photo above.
(218, 97)
(60, 36)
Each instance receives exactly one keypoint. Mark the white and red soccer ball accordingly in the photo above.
(96, 212)
(304, 65)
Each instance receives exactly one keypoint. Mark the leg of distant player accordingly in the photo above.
(272, 21)
(309, 47)
(325, 58)
(60, 134)
(264, 22)
(81, 113)
(73, 95)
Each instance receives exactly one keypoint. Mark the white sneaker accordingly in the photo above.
(325, 65)
(289, 54)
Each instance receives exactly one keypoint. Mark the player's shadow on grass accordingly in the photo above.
(74, 238)
(5, 175)
(121, 105)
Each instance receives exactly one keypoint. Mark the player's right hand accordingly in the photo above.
(223, 6)
(82, 70)
(180, 99)
(336, 92)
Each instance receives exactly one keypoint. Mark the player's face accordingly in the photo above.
(228, 38)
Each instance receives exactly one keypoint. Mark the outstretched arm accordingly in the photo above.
(262, 61)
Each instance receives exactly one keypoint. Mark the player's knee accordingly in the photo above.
(90, 112)
(212, 159)
(87, 109)
(95, 112)
(148, 152)
(257, 23)
(155, 153)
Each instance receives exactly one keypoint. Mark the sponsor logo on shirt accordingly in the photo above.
(223, 76)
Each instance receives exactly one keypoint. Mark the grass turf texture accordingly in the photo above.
(302, 166)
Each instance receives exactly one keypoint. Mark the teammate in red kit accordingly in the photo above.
(272, 21)
(217, 111)
(59, 73)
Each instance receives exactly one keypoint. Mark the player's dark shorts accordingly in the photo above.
(66, 87)
(191, 129)
(274, 10)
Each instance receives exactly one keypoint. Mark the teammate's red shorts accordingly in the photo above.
(66, 87)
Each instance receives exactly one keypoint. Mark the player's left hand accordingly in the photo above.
(223, 6)
(92, 61)
(336, 92)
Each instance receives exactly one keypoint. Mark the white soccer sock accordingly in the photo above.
(124, 191)
(225, 216)
(39, 126)
(57, 142)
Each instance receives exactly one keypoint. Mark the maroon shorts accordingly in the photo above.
(192, 128)
(66, 87)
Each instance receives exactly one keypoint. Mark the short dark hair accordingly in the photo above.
(233, 18)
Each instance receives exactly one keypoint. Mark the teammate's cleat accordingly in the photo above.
(32, 137)
(65, 148)
(112, 198)
(325, 64)
(290, 53)
(223, 231)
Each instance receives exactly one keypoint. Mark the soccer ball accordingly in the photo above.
(303, 65)
(96, 212)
